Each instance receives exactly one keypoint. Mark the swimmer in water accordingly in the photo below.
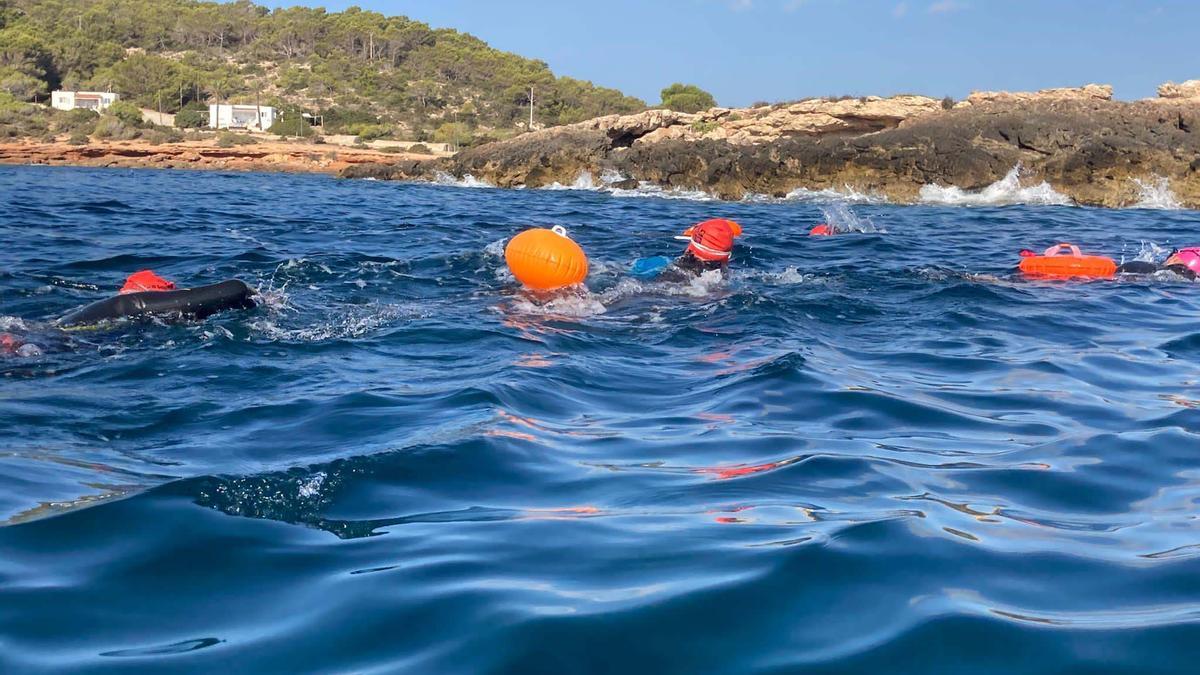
(11, 345)
(710, 245)
(147, 294)
(1183, 261)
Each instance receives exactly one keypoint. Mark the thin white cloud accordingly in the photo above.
(900, 10)
(793, 5)
(947, 6)
(741, 5)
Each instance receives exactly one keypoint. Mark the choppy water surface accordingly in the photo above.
(878, 451)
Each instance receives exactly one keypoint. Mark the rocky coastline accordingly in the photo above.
(1094, 150)
(282, 156)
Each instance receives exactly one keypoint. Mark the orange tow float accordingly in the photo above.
(545, 260)
(1064, 261)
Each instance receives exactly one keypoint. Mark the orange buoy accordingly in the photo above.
(821, 230)
(1065, 261)
(733, 225)
(544, 259)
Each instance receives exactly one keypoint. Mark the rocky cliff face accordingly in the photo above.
(1084, 144)
(1187, 90)
(1090, 92)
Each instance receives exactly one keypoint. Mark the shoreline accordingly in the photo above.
(205, 155)
(1081, 144)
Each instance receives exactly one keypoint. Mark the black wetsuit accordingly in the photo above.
(1141, 267)
(190, 303)
(687, 267)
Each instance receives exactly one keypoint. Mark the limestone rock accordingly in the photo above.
(1185, 90)
(1087, 148)
(1090, 92)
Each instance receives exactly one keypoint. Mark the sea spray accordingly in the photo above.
(1155, 193)
(840, 216)
(467, 181)
(1004, 192)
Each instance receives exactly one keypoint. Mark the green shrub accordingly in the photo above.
(346, 120)
(370, 132)
(392, 149)
(79, 138)
(78, 120)
(159, 135)
(8, 102)
(127, 112)
(687, 98)
(947, 103)
(192, 116)
(291, 124)
(22, 120)
(704, 126)
(228, 139)
(21, 86)
(454, 133)
(112, 127)
(420, 149)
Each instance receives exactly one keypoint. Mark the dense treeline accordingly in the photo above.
(362, 69)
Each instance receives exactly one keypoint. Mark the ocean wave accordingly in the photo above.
(1155, 193)
(842, 219)
(582, 302)
(827, 195)
(1007, 191)
(467, 181)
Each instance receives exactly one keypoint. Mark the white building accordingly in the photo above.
(88, 100)
(252, 117)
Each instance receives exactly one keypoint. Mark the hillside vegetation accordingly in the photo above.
(369, 75)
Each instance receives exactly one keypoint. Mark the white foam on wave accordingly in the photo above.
(846, 194)
(12, 323)
(1155, 193)
(467, 181)
(842, 219)
(1004, 192)
(576, 302)
(651, 190)
(579, 302)
(1149, 251)
(789, 276)
(355, 323)
(584, 181)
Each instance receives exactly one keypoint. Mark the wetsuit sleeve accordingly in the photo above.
(1182, 270)
(1137, 267)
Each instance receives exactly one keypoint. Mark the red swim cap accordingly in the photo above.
(821, 230)
(146, 280)
(712, 240)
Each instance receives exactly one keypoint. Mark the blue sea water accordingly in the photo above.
(877, 452)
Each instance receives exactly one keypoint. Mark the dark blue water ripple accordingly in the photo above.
(877, 452)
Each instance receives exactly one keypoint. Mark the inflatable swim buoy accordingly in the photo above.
(544, 260)
(191, 303)
(821, 230)
(1065, 261)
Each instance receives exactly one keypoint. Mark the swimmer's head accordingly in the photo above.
(1188, 257)
(712, 240)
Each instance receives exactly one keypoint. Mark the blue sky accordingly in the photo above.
(750, 50)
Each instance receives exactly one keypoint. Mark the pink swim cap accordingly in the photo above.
(1190, 257)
